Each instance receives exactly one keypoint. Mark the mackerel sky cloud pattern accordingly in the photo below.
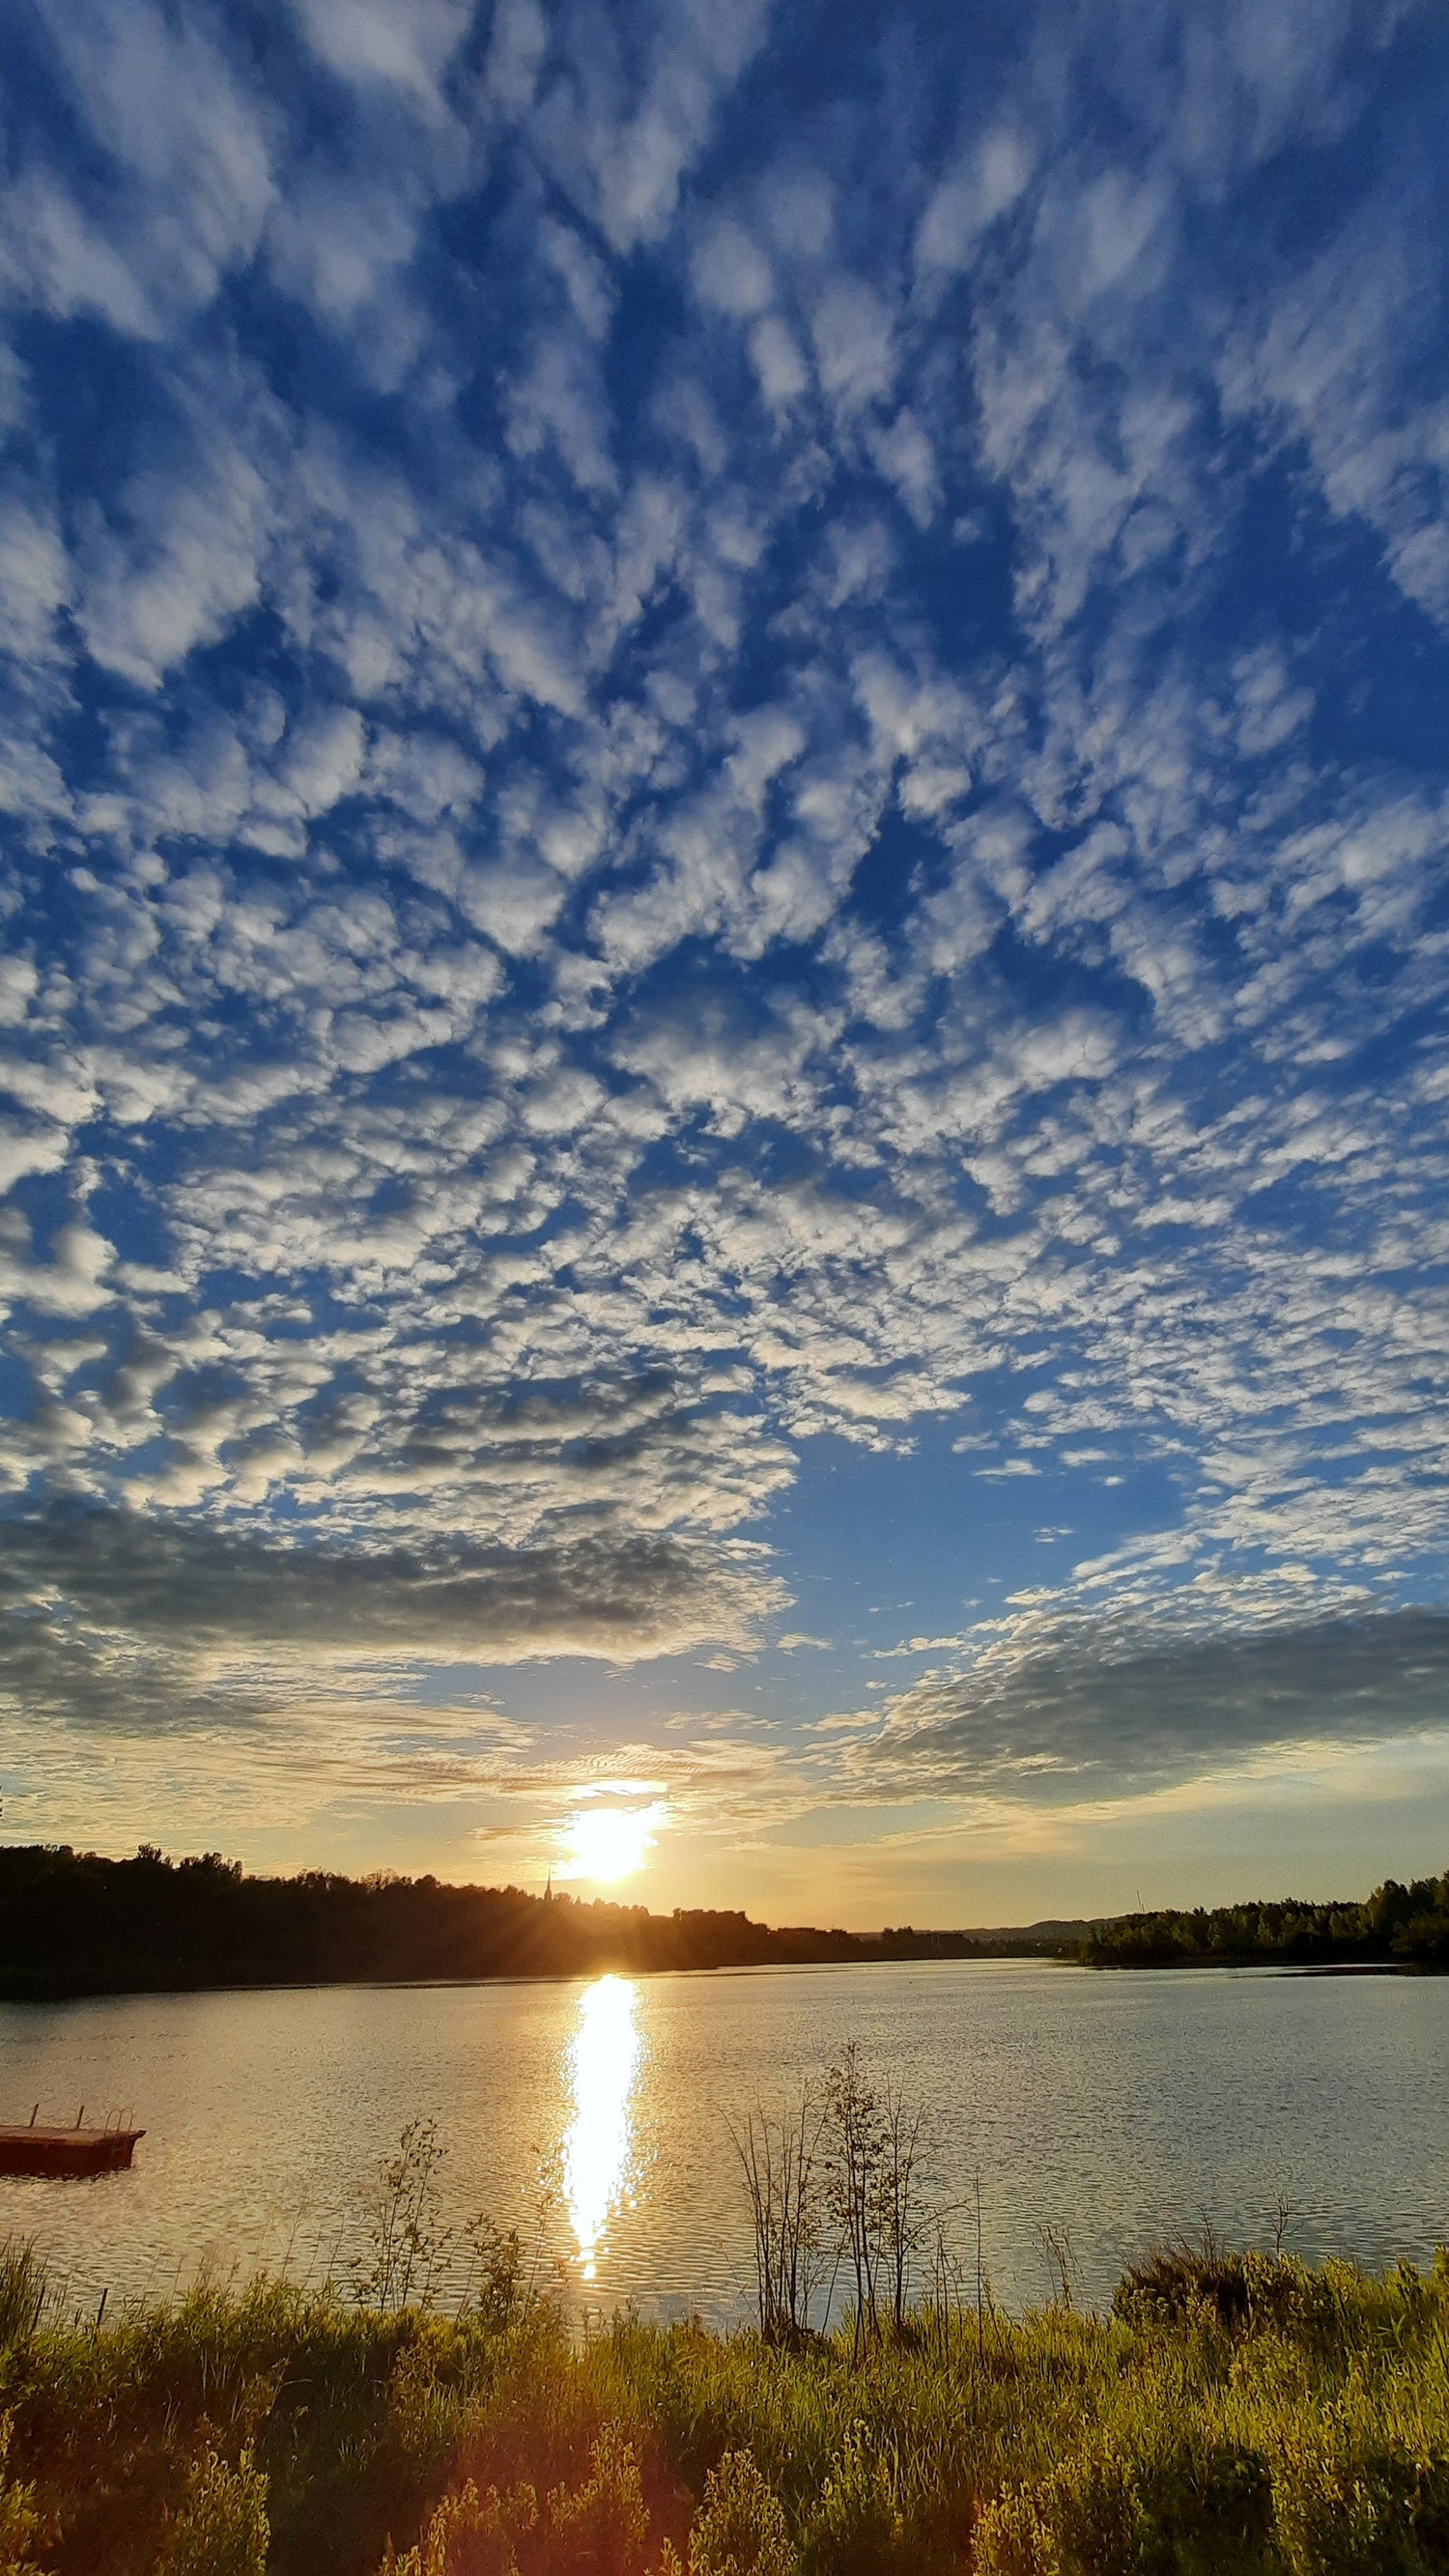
(723, 760)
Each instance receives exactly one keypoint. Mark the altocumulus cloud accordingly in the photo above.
(109, 1619)
(720, 738)
(1074, 1713)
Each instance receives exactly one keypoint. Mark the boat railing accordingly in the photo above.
(111, 2123)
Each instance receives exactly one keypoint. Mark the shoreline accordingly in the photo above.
(52, 1997)
(522, 1977)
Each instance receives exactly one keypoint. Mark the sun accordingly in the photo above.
(607, 1843)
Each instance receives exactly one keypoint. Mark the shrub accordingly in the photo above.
(471, 2535)
(1343, 2507)
(740, 2529)
(19, 2520)
(221, 2525)
(599, 2528)
(1014, 2537)
(855, 2529)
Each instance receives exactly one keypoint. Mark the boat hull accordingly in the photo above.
(67, 2154)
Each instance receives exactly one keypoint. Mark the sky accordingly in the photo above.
(724, 793)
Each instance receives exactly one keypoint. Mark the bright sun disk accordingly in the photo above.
(609, 1842)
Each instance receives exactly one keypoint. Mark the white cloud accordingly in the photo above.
(731, 271)
(69, 1280)
(624, 146)
(778, 362)
(53, 257)
(854, 342)
(35, 582)
(179, 566)
(993, 177)
(366, 41)
(190, 178)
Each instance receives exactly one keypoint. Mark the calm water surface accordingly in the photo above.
(1119, 2108)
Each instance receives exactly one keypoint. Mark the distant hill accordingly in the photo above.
(75, 1923)
(1402, 1925)
(1049, 1935)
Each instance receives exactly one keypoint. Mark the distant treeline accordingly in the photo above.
(72, 1923)
(1408, 1926)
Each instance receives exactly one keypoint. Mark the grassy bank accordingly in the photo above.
(1231, 2414)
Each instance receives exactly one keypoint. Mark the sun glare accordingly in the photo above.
(598, 2149)
(609, 1842)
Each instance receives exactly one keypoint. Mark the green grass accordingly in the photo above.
(1232, 2414)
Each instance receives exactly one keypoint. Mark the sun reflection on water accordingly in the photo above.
(603, 2061)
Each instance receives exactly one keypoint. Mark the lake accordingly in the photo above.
(1115, 2109)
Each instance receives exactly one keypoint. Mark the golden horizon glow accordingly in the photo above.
(609, 1843)
(603, 2061)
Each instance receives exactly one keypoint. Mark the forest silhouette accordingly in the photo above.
(75, 1923)
(1403, 1925)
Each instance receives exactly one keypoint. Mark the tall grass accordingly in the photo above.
(1236, 2415)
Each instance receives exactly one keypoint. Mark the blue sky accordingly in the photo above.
(725, 785)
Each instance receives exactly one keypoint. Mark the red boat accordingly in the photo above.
(71, 2153)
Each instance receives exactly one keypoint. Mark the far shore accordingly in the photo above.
(77, 1925)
